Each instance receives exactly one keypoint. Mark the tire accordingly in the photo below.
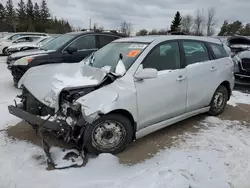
(5, 51)
(15, 80)
(92, 139)
(219, 101)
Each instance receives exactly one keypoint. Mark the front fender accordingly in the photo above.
(96, 103)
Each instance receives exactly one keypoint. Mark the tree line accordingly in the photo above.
(201, 23)
(30, 17)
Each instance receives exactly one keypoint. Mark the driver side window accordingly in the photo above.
(84, 43)
(165, 56)
(24, 39)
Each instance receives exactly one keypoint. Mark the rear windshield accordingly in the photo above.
(110, 54)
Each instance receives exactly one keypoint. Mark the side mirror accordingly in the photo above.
(71, 50)
(147, 73)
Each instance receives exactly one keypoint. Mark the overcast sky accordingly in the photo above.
(147, 14)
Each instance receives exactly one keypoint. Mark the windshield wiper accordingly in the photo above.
(120, 56)
(92, 59)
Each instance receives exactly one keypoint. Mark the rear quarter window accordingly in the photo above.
(218, 50)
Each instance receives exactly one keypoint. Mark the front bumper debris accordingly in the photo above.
(59, 127)
(35, 120)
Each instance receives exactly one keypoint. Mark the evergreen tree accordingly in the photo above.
(36, 12)
(176, 22)
(11, 14)
(44, 12)
(26, 17)
(2, 12)
(246, 30)
(2, 18)
(30, 10)
(21, 14)
(224, 29)
(235, 28)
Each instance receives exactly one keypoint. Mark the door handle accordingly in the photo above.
(213, 69)
(180, 78)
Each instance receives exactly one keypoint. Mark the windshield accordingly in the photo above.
(57, 42)
(109, 55)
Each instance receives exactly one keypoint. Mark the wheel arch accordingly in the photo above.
(127, 114)
(4, 49)
(226, 84)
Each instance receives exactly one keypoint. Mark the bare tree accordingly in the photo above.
(199, 22)
(210, 21)
(126, 28)
(186, 24)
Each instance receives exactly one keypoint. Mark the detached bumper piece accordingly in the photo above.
(33, 119)
(44, 126)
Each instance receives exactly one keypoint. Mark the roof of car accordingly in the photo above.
(29, 33)
(78, 33)
(151, 38)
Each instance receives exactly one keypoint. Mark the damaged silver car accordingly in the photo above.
(127, 89)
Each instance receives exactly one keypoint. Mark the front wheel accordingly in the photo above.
(111, 133)
(5, 51)
(219, 101)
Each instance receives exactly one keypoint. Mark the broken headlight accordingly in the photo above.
(72, 112)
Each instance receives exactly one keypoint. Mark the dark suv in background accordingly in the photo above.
(67, 48)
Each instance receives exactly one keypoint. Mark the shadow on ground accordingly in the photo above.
(148, 146)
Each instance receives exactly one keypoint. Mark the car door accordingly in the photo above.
(85, 45)
(200, 80)
(162, 97)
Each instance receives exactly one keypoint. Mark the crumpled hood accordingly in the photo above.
(47, 81)
(19, 55)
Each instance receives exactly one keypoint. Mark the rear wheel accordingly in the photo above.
(111, 133)
(219, 101)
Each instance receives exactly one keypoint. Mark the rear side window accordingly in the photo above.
(218, 50)
(195, 52)
(105, 39)
(84, 43)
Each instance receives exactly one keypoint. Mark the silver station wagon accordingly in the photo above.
(127, 89)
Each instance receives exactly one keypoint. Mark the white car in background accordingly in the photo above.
(28, 45)
(11, 38)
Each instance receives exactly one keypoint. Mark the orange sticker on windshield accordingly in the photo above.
(133, 53)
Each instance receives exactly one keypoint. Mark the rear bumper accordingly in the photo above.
(17, 111)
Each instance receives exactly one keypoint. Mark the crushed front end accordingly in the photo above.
(67, 123)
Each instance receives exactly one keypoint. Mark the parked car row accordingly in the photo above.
(68, 48)
(18, 38)
(31, 43)
(103, 100)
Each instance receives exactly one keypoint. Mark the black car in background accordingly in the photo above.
(68, 48)
(240, 52)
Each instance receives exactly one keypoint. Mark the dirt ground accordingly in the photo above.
(148, 146)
